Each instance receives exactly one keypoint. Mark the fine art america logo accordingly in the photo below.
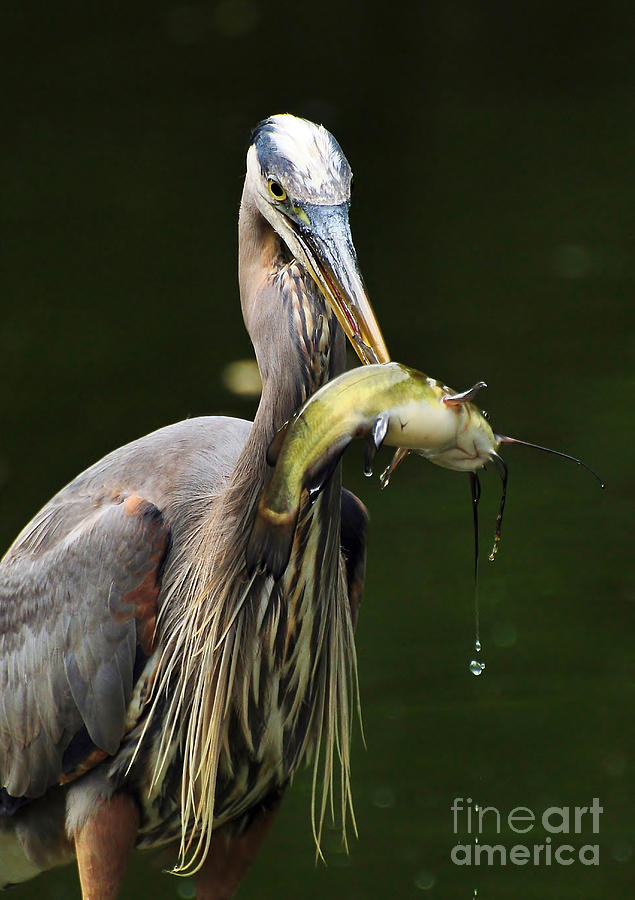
(549, 843)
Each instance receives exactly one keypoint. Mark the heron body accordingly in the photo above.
(152, 691)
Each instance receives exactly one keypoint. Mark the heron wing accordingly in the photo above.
(78, 602)
(78, 597)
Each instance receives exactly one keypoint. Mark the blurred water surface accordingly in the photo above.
(494, 219)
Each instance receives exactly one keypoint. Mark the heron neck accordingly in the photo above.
(298, 343)
(258, 248)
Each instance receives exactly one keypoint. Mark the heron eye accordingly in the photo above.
(277, 191)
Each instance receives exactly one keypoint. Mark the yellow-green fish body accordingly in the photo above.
(396, 405)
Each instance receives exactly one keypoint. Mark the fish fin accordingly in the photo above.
(380, 427)
(318, 477)
(273, 451)
(375, 440)
(400, 455)
(459, 397)
(270, 543)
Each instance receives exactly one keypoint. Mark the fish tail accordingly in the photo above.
(270, 542)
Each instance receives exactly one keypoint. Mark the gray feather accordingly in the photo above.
(68, 636)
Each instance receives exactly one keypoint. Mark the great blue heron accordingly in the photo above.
(150, 690)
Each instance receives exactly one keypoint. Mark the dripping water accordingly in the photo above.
(476, 665)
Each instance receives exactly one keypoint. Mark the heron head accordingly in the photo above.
(300, 182)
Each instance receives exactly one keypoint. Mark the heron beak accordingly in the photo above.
(324, 235)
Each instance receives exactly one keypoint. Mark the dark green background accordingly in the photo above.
(494, 218)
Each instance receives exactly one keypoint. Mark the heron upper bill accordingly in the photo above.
(333, 264)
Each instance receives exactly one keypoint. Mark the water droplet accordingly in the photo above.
(477, 645)
(476, 667)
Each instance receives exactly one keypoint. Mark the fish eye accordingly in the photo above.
(485, 414)
(276, 190)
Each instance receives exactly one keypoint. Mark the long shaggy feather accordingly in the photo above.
(231, 643)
